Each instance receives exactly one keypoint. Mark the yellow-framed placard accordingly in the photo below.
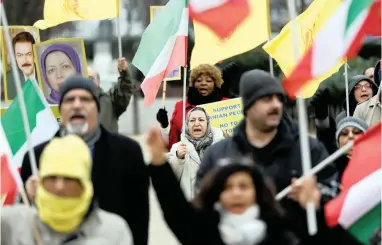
(23, 38)
(175, 74)
(56, 60)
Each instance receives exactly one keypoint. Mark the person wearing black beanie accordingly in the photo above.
(271, 138)
(118, 168)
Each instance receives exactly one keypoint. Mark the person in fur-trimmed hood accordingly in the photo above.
(204, 87)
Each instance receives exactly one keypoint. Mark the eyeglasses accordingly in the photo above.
(363, 86)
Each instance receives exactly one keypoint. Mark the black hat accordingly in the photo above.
(79, 82)
(255, 84)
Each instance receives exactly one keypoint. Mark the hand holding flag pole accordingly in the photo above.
(302, 119)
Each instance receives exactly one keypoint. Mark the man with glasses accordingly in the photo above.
(114, 101)
(119, 173)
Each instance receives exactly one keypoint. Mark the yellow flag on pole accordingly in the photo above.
(252, 32)
(60, 11)
(281, 48)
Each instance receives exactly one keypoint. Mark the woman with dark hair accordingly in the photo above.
(58, 62)
(235, 206)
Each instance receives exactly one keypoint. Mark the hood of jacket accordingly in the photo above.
(352, 83)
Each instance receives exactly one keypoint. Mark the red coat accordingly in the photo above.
(176, 121)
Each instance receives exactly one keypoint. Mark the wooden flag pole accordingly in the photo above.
(347, 89)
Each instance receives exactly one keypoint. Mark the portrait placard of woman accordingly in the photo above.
(57, 60)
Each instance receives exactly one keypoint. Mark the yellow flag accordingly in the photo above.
(254, 30)
(281, 48)
(60, 11)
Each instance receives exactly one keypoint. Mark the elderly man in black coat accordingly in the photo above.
(119, 173)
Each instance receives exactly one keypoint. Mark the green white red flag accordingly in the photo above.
(10, 178)
(358, 207)
(163, 47)
(341, 37)
(221, 16)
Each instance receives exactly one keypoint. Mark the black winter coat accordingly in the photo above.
(285, 163)
(193, 226)
(120, 178)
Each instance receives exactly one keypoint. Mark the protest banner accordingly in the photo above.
(56, 60)
(225, 114)
(23, 39)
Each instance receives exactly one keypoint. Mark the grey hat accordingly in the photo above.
(350, 121)
(255, 84)
(79, 82)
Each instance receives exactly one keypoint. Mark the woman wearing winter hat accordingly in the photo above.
(348, 129)
(204, 87)
(235, 206)
(185, 156)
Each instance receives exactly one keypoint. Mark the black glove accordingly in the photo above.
(162, 117)
(320, 102)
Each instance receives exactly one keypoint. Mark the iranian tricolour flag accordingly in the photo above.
(211, 13)
(358, 207)
(341, 37)
(163, 47)
(43, 124)
(9, 177)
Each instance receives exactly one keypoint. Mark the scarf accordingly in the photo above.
(194, 98)
(200, 144)
(241, 229)
(90, 139)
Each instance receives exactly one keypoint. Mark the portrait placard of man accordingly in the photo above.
(22, 44)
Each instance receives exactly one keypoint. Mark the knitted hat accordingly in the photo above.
(350, 121)
(79, 82)
(256, 84)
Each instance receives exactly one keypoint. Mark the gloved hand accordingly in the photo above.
(320, 102)
(162, 117)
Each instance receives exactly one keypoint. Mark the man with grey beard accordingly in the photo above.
(118, 172)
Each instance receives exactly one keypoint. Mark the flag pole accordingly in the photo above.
(164, 87)
(184, 103)
(318, 167)
(271, 70)
(119, 30)
(303, 125)
(347, 89)
(20, 94)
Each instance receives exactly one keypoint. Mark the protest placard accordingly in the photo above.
(225, 114)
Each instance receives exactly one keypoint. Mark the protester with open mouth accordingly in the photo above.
(118, 170)
(185, 156)
(361, 88)
(204, 87)
(235, 206)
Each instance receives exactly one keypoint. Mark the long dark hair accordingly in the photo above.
(214, 183)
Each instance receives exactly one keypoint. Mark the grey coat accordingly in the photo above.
(99, 228)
